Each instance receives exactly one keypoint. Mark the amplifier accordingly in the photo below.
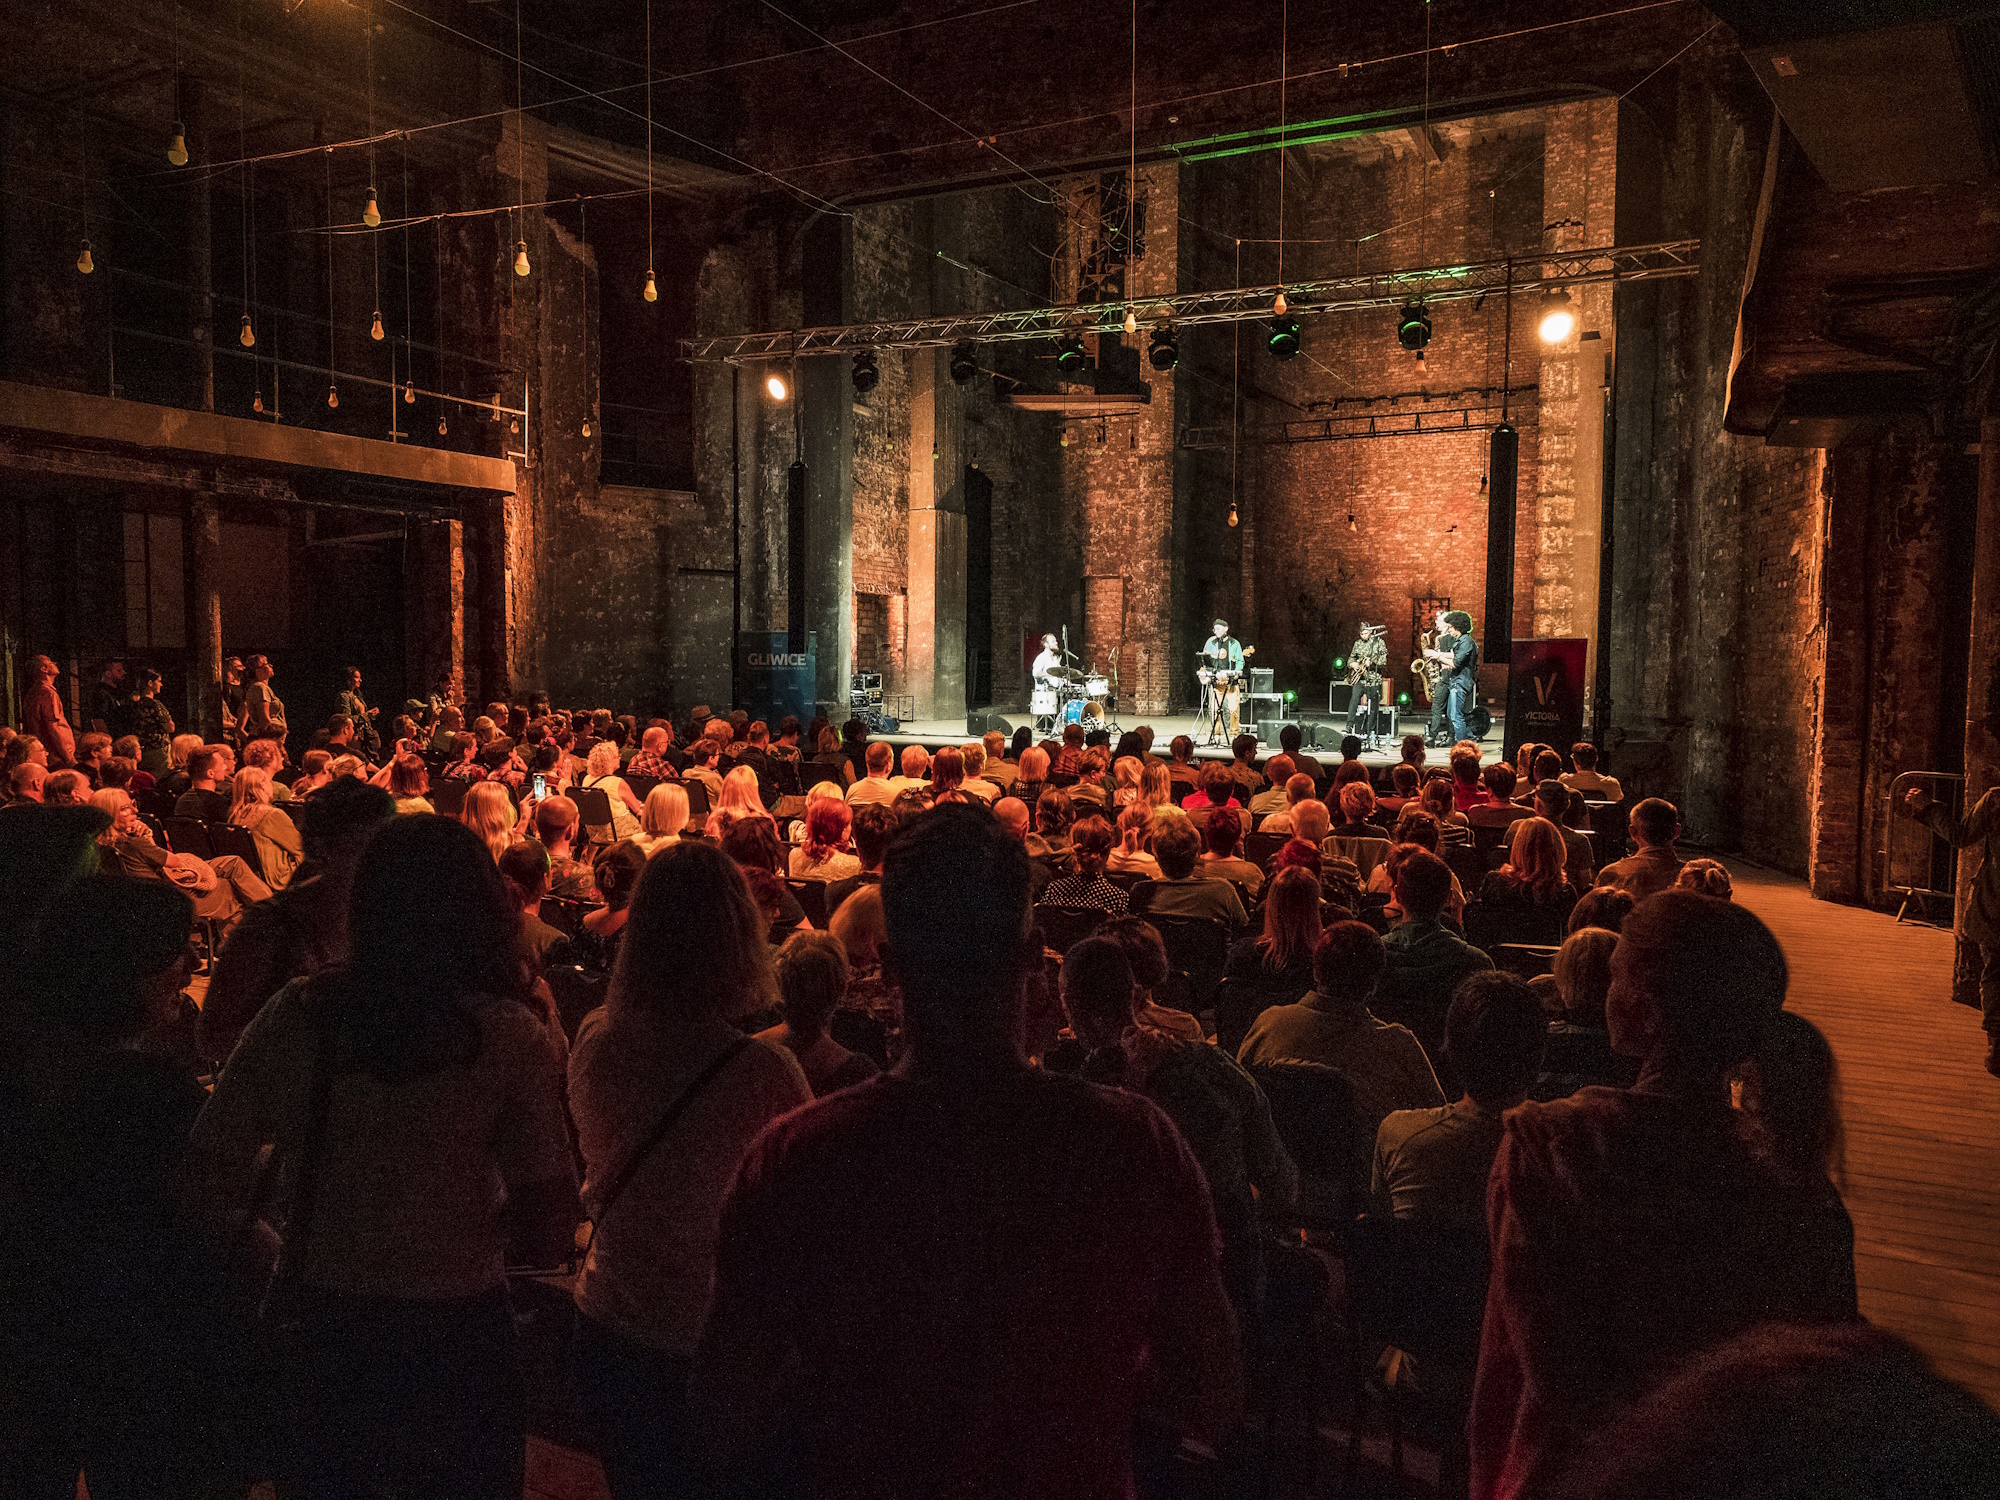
(1262, 680)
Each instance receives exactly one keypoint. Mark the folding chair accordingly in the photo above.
(1063, 927)
(811, 896)
(188, 836)
(1261, 848)
(448, 797)
(227, 838)
(593, 806)
(1199, 948)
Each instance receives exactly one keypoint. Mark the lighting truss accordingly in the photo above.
(1436, 421)
(1379, 289)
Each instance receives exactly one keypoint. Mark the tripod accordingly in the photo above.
(1215, 709)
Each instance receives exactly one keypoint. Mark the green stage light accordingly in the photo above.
(1402, 697)
(1340, 664)
(1291, 697)
(1282, 337)
(1413, 327)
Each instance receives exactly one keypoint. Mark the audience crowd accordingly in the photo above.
(985, 1120)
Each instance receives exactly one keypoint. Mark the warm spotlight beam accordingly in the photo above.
(1382, 289)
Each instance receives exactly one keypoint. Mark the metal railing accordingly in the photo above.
(1916, 864)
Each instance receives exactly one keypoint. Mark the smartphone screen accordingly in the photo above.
(541, 786)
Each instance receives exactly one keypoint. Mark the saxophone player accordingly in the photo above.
(1364, 674)
(1458, 655)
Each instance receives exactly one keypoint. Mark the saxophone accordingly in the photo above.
(1426, 669)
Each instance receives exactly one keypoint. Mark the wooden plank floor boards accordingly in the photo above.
(1921, 1118)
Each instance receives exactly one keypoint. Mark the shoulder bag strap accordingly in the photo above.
(667, 1121)
(312, 1148)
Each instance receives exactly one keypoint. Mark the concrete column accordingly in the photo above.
(1835, 856)
(439, 646)
(936, 651)
(494, 649)
(205, 615)
(1982, 686)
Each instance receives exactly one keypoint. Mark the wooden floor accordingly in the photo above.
(1922, 1120)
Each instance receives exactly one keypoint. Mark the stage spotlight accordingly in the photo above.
(1413, 327)
(1283, 337)
(774, 387)
(865, 375)
(1402, 698)
(1069, 354)
(963, 364)
(1558, 317)
(1162, 353)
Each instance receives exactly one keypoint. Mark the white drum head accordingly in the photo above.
(1097, 687)
(1042, 701)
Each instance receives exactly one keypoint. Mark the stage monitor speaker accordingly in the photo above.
(1262, 680)
(977, 725)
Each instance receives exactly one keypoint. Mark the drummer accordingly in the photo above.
(1048, 668)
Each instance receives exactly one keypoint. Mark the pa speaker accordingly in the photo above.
(982, 723)
(997, 725)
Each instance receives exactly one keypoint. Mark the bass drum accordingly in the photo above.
(1072, 712)
(1479, 721)
(1093, 713)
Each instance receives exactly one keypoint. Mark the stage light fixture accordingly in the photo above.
(775, 387)
(1558, 317)
(1402, 697)
(246, 335)
(865, 375)
(177, 147)
(1162, 353)
(1340, 664)
(1069, 354)
(1283, 338)
(964, 363)
(84, 264)
(1413, 327)
(371, 213)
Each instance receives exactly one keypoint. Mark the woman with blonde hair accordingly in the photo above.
(1127, 776)
(739, 800)
(663, 1046)
(601, 774)
(175, 781)
(1134, 854)
(1533, 880)
(489, 812)
(279, 849)
(1156, 784)
(665, 816)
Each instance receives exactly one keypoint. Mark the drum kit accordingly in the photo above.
(1073, 695)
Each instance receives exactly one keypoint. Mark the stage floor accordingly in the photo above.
(932, 733)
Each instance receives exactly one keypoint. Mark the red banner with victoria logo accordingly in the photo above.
(1545, 688)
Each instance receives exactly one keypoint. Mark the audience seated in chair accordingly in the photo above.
(1705, 877)
(1180, 892)
(1586, 778)
(824, 855)
(665, 819)
(1211, 1100)
(1579, 1053)
(1222, 854)
(1426, 959)
(812, 974)
(1298, 787)
(1276, 967)
(1278, 770)
(276, 837)
(1090, 847)
(1601, 906)
(1416, 828)
(1146, 952)
(1431, 1165)
(1696, 1229)
(1384, 1065)
(1007, 1327)
(1529, 899)
(209, 768)
(221, 888)
(873, 827)
(1552, 801)
(1134, 853)
(1657, 864)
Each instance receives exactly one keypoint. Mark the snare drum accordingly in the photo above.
(1097, 687)
(1072, 711)
(1042, 702)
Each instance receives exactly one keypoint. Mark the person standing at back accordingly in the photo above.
(960, 1277)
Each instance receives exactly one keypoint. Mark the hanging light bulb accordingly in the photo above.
(1279, 305)
(515, 425)
(1232, 514)
(586, 427)
(521, 266)
(1131, 321)
(1350, 522)
(257, 401)
(1065, 437)
(409, 393)
(444, 428)
(246, 335)
(652, 293)
(84, 264)
(372, 214)
(332, 394)
(375, 328)
(177, 148)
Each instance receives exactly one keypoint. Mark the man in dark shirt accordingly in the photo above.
(1426, 959)
(961, 1277)
(1459, 656)
(203, 799)
(111, 701)
(1656, 823)
(1290, 740)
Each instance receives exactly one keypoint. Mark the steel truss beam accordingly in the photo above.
(1431, 421)
(1670, 258)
